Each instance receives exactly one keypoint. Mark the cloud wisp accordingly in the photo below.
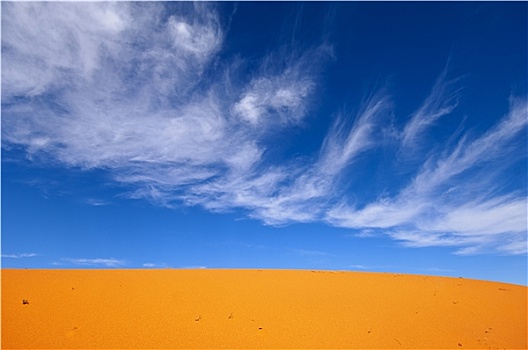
(445, 204)
(19, 256)
(146, 95)
(442, 100)
(104, 262)
(150, 265)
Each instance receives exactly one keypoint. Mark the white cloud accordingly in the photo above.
(284, 95)
(19, 256)
(107, 262)
(199, 40)
(155, 265)
(442, 100)
(517, 245)
(280, 93)
(300, 192)
(442, 206)
(44, 52)
(494, 145)
(384, 213)
(482, 218)
(344, 142)
(359, 267)
(143, 94)
(145, 115)
(96, 202)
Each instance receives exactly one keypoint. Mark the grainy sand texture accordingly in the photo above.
(257, 309)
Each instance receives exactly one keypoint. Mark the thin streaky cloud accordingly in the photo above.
(440, 207)
(193, 267)
(394, 267)
(494, 145)
(343, 143)
(300, 192)
(106, 262)
(96, 202)
(176, 124)
(155, 265)
(442, 100)
(359, 267)
(19, 256)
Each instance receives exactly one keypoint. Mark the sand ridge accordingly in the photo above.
(207, 308)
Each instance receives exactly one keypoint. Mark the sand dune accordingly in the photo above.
(257, 309)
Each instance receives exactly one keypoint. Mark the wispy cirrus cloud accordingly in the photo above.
(280, 92)
(96, 117)
(105, 262)
(96, 202)
(400, 268)
(19, 256)
(445, 204)
(155, 265)
(441, 101)
(148, 115)
(144, 94)
(194, 267)
(297, 191)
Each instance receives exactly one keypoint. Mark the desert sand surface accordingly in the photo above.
(257, 309)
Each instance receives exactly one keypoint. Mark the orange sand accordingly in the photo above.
(257, 309)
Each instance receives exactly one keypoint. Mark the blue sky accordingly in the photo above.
(351, 136)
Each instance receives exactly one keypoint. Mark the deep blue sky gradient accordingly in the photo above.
(71, 202)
